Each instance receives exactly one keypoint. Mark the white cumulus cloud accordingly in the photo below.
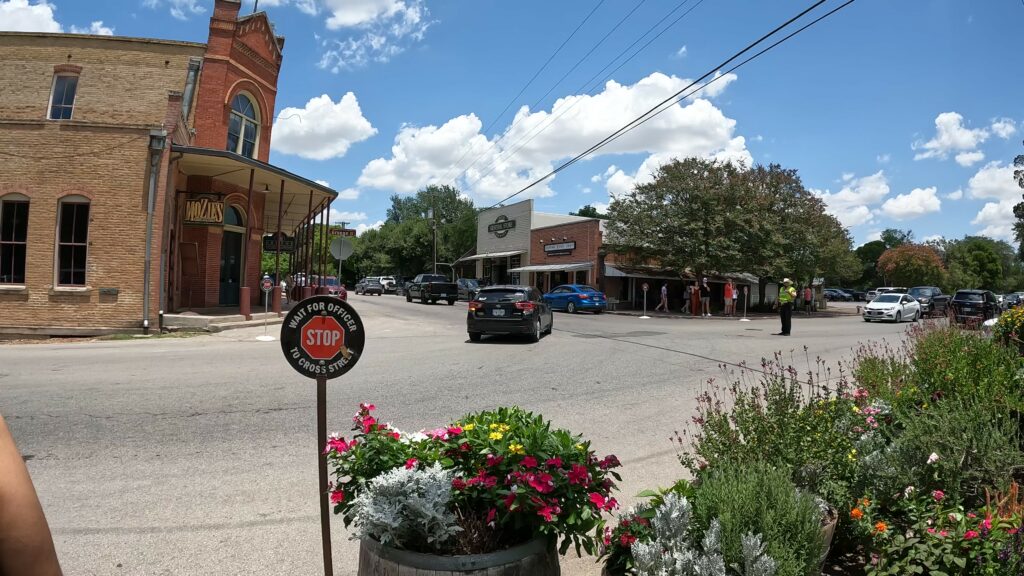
(23, 16)
(378, 31)
(530, 147)
(1004, 127)
(994, 181)
(322, 129)
(851, 205)
(347, 217)
(917, 202)
(362, 227)
(180, 9)
(955, 194)
(950, 136)
(969, 158)
(96, 27)
(996, 219)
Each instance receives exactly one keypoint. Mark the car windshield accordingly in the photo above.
(470, 283)
(918, 292)
(330, 281)
(888, 298)
(501, 295)
(969, 297)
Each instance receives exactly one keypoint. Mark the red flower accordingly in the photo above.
(554, 462)
(607, 536)
(396, 435)
(970, 535)
(491, 514)
(454, 430)
(529, 462)
(338, 444)
(410, 463)
(509, 500)
(627, 539)
(465, 447)
(610, 461)
(579, 475)
(493, 460)
(458, 483)
(548, 513)
(1011, 531)
(542, 482)
(367, 423)
(597, 500)
(337, 496)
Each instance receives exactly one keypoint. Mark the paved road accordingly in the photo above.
(197, 456)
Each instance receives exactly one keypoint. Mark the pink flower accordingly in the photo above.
(493, 460)
(338, 444)
(542, 482)
(529, 462)
(579, 475)
(610, 461)
(454, 430)
(627, 539)
(597, 500)
(986, 524)
(938, 495)
(410, 463)
(337, 496)
(970, 535)
(943, 533)
(931, 530)
(972, 515)
(549, 512)
(554, 462)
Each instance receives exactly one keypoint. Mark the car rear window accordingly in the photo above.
(501, 295)
(888, 298)
(969, 297)
(434, 278)
(586, 289)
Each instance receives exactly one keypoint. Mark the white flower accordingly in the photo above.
(908, 491)
(933, 458)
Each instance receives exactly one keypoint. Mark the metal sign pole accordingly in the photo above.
(746, 298)
(645, 316)
(321, 436)
(268, 290)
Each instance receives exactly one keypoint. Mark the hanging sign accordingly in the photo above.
(501, 226)
(270, 243)
(204, 211)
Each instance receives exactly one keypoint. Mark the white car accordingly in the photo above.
(893, 307)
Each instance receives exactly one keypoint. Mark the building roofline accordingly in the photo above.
(131, 39)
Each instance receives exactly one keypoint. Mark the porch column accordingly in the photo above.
(307, 290)
(320, 251)
(275, 294)
(244, 304)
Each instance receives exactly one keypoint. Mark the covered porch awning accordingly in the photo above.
(648, 272)
(492, 255)
(554, 267)
(267, 180)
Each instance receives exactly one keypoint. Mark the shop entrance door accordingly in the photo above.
(230, 268)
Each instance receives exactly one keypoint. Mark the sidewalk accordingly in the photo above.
(831, 313)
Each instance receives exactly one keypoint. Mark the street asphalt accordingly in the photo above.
(198, 455)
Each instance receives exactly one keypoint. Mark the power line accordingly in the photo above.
(562, 79)
(655, 110)
(527, 85)
(540, 128)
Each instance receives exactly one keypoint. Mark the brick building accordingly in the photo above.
(134, 175)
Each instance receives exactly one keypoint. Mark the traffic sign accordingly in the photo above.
(646, 287)
(322, 337)
(346, 232)
(267, 284)
(341, 248)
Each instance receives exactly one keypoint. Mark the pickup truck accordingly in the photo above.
(431, 288)
(931, 298)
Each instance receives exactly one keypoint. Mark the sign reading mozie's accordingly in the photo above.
(204, 211)
(322, 337)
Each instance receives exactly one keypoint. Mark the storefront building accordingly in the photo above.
(134, 175)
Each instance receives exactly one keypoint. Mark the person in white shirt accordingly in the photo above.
(663, 305)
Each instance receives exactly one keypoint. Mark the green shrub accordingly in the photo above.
(760, 499)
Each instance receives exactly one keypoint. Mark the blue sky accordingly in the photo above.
(898, 113)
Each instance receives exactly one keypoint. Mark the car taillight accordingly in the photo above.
(476, 305)
(525, 306)
(584, 296)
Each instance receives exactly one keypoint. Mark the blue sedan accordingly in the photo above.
(575, 297)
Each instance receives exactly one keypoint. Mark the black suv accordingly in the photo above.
(931, 298)
(974, 306)
(509, 310)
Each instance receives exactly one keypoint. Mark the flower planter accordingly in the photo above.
(536, 558)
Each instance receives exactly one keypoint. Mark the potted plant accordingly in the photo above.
(494, 490)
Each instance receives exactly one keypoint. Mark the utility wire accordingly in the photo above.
(525, 86)
(559, 82)
(519, 144)
(646, 116)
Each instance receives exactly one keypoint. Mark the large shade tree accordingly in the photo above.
(912, 265)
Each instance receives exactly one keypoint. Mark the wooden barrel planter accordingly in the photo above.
(535, 558)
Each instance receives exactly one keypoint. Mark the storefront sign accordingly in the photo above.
(501, 226)
(322, 337)
(560, 249)
(204, 211)
(343, 232)
(270, 243)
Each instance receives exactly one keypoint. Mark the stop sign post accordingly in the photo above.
(645, 288)
(322, 338)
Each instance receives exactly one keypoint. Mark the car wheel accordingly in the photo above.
(570, 307)
(475, 336)
(433, 301)
(867, 320)
(535, 337)
(551, 324)
(917, 316)
(424, 299)
(451, 302)
(598, 311)
(408, 297)
(899, 318)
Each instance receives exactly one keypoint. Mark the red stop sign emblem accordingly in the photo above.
(322, 338)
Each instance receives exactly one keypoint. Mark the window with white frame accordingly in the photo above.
(62, 97)
(243, 126)
(13, 238)
(72, 241)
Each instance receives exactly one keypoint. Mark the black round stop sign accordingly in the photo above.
(322, 337)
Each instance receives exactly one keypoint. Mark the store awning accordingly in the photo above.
(554, 267)
(650, 272)
(267, 180)
(493, 255)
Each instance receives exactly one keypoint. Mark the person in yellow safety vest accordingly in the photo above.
(787, 295)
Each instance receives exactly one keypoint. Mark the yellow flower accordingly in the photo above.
(579, 447)
(856, 410)
(495, 435)
(516, 448)
(504, 428)
(469, 427)
(493, 426)
(852, 455)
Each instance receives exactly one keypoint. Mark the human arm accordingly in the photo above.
(26, 546)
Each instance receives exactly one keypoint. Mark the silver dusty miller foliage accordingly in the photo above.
(673, 551)
(407, 508)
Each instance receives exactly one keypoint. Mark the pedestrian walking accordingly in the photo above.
(808, 300)
(663, 305)
(705, 298)
(730, 289)
(787, 295)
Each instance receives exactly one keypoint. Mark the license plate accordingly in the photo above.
(497, 312)
(443, 295)
(967, 309)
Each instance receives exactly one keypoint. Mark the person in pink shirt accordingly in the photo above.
(730, 291)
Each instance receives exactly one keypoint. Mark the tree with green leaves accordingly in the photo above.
(912, 265)
(1018, 209)
(974, 262)
(589, 211)
(893, 238)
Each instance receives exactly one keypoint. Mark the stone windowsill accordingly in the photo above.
(70, 290)
(13, 288)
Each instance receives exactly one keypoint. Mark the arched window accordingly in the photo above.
(243, 126)
(233, 217)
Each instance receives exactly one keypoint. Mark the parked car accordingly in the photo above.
(509, 310)
(388, 282)
(834, 294)
(431, 288)
(857, 295)
(369, 285)
(885, 290)
(894, 307)
(468, 288)
(974, 306)
(1012, 301)
(931, 298)
(575, 297)
(335, 288)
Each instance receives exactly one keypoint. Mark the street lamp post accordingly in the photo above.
(433, 227)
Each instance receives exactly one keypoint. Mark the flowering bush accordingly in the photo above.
(513, 476)
(927, 534)
(1010, 326)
